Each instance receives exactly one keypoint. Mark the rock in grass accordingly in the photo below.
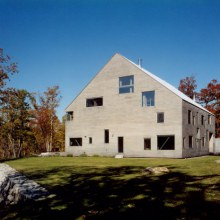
(156, 170)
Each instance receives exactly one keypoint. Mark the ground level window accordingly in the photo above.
(90, 140)
(190, 141)
(166, 142)
(147, 144)
(75, 142)
(106, 136)
(203, 142)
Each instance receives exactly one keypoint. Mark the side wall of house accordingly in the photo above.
(124, 116)
(198, 131)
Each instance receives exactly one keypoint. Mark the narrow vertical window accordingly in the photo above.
(90, 140)
(190, 141)
(209, 120)
(194, 120)
(189, 116)
(203, 142)
(160, 117)
(184, 139)
(202, 119)
(106, 136)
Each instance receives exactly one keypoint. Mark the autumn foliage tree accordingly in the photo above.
(15, 122)
(209, 97)
(188, 86)
(46, 121)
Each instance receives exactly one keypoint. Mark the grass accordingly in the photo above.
(108, 188)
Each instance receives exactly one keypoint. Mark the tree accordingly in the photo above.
(209, 97)
(46, 120)
(7, 68)
(188, 86)
(15, 121)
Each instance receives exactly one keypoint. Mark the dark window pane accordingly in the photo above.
(166, 142)
(160, 117)
(106, 136)
(147, 144)
(94, 102)
(75, 141)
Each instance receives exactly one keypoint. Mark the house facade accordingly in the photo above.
(127, 110)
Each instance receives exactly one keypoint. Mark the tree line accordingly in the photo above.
(28, 121)
(208, 97)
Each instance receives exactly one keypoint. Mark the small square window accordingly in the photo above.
(160, 117)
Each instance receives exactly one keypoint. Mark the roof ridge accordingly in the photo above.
(169, 86)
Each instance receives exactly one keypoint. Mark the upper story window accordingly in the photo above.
(148, 98)
(126, 84)
(69, 116)
(202, 119)
(209, 120)
(94, 102)
(189, 116)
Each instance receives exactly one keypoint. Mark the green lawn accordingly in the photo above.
(108, 188)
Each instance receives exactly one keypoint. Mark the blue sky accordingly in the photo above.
(66, 42)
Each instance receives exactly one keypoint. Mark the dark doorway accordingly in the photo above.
(120, 144)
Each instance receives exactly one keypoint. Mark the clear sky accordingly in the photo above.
(66, 42)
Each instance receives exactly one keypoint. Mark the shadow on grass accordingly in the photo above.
(119, 193)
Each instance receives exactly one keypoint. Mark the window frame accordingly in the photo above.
(159, 115)
(149, 146)
(75, 142)
(106, 136)
(94, 102)
(190, 141)
(125, 87)
(145, 100)
(165, 142)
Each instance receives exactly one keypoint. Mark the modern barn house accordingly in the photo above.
(127, 110)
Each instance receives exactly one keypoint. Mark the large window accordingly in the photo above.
(126, 84)
(94, 102)
(75, 142)
(166, 142)
(148, 98)
(147, 144)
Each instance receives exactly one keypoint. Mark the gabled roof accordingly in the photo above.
(170, 87)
